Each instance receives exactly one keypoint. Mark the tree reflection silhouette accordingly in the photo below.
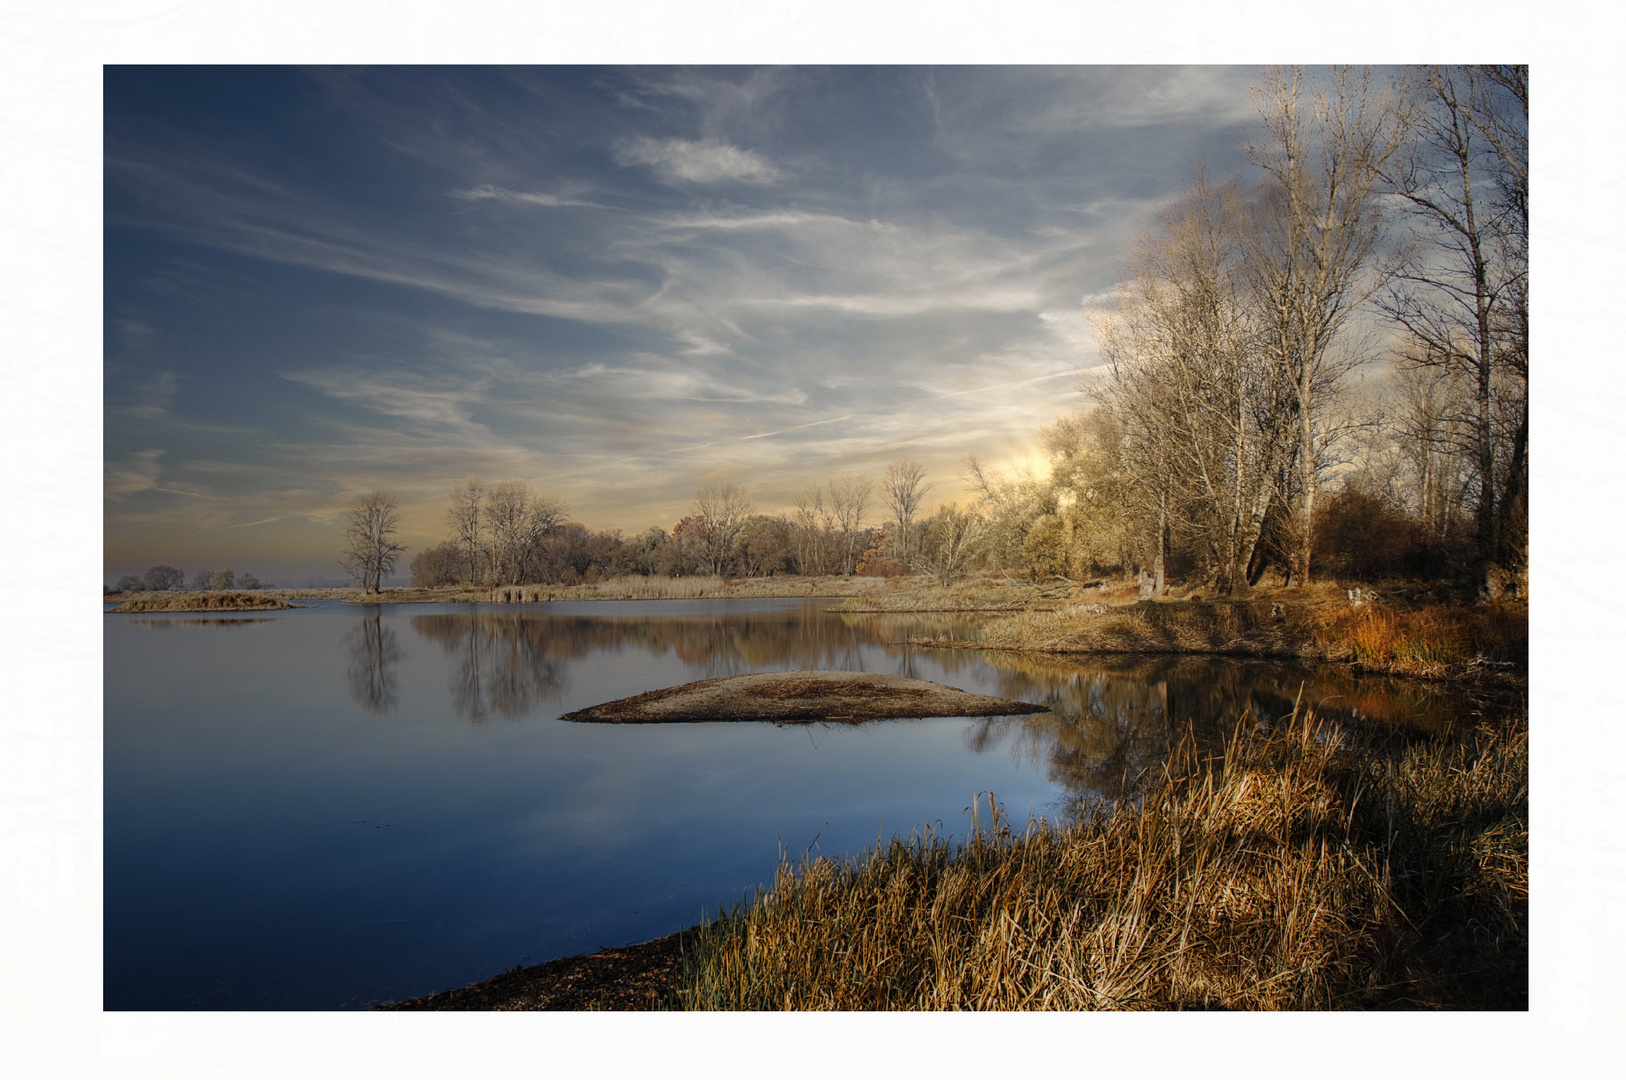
(500, 663)
(1113, 722)
(371, 653)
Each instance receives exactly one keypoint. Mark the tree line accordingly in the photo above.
(1381, 221)
(508, 534)
(164, 578)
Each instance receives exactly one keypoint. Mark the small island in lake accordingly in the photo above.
(800, 696)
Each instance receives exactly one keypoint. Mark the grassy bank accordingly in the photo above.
(977, 593)
(1434, 640)
(1296, 872)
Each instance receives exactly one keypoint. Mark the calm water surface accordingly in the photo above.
(337, 806)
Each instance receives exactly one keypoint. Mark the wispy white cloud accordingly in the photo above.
(535, 198)
(704, 162)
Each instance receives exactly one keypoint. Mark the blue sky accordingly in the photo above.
(614, 284)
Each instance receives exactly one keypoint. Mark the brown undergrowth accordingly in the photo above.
(1299, 871)
(1434, 640)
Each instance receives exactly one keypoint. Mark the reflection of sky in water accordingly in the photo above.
(335, 806)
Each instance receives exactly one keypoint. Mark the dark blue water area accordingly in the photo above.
(337, 806)
(329, 808)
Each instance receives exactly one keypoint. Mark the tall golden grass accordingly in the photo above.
(1436, 634)
(1296, 872)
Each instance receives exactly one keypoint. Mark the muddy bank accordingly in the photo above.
(800, 696)
(635, 978)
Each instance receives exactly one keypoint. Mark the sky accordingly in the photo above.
(614, 284)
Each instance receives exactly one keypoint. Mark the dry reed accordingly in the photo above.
(1296, 872)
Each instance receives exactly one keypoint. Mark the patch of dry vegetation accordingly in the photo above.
(203, 601)
(980, 593)
(1437, 640)
(1297, 872)
(1432, 638)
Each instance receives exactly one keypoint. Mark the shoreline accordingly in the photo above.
(631, 978)
(1456, 814)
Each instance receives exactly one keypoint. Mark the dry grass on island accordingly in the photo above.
(203, 601)
(800, 697)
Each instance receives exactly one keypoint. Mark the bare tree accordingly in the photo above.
(516, 521)
(950, 542)
(467, 526)
(1204, 410)
(370, 550)
(721, 509)
(904, 488)
(814, 533)
(849, 500)
(1318, 230)
(163, 577)
(1461, 296)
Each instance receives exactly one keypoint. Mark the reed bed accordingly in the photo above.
(1298, 871)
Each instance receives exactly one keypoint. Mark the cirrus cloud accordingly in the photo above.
(703, 162)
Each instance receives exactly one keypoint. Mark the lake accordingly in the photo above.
(336, 806)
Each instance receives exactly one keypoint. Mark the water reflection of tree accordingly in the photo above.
(500, 663)
(507, 663)
(1114, 721)
(371, 653)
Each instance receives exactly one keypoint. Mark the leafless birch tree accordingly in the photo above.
(904, 487)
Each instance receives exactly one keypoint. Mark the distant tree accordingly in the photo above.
(246, 580)
(468, 534)
(903, 487)
(564, 554)
(636, 556)
(952, 537)
(442, 564)
(814, 536)
(517, 521)
(370, 551)
(222, 579)
(162, 577)
(200, 580)
(720, 510)
(849, 501)
(603, 550)
(685, 552)
(764, 545)
(128, 583)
